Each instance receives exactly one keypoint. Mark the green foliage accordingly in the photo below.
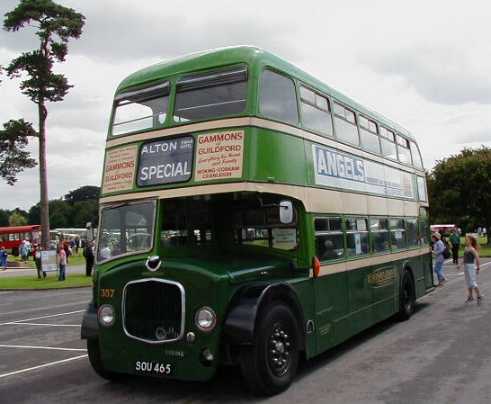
(75, 211)
(459, 189)
(17, 219)
(4, 217)
(13, 158)
(56, 24)
(84, 193)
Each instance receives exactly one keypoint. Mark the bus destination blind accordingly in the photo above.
(165, 161)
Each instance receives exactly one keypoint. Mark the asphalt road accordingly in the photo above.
(441, 355)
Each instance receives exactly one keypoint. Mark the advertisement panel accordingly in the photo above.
(119, 169)
(219, 155)
(336, 169)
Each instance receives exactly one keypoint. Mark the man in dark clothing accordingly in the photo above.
(455, 241)
(89, 258)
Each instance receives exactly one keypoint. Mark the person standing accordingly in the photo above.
(37, 261)
(89, 258)
(438, 249)
(455, 241)
(62, 260)
(3, 258)
(471, 268)
(23, 250)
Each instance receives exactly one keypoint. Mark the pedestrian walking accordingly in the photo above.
(471, 268)
(62, 261)
(89, 258)
(455, 241)
(3, 258)
(438, 249)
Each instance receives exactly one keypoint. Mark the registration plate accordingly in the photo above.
(153, 368)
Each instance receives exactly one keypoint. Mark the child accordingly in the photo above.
(471, 267)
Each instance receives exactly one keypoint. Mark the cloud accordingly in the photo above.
(479, 136)
(442, 74)
(150, 31)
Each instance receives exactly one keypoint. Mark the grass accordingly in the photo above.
(51, 282)
(485, 252)
(29, 263)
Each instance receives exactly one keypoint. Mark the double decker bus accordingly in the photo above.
(251, 216)
(12, 236)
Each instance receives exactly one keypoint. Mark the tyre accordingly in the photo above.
(407, 297)
(270, 365)
(96, 362)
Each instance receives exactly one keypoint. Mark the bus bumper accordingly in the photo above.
(90, 326)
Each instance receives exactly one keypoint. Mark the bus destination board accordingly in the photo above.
(165, 161)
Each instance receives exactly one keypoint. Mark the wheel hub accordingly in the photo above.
(279, 350)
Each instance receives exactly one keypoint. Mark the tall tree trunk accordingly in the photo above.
(43, 177)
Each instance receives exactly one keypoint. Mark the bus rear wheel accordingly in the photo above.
(95, 360)
(270, 365)
(407, 297)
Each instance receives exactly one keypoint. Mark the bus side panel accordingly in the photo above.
(360, 299)
(275, 157)
(303, 288)
(384, 284)
(332, 310)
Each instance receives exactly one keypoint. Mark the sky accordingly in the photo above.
(423, 64)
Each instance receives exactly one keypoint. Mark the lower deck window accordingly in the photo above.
(397, 233)
(379, 229)
(329, 238)
(356, 236)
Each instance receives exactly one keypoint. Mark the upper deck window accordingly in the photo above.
(211, 94)
(140, 109)
(315, 111)
(345, 125)
(403, 150)
(387, 142)
(368, 135)
(278, 97)
(417, 161)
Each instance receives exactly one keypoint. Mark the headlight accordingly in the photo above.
(105, 315)
(205, 319)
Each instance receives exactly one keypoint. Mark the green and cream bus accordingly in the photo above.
(251, 216)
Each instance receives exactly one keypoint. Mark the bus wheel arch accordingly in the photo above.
(249, 305)
(407, 293)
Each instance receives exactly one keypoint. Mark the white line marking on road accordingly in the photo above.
(42, 347)
(85, 302)
(45, 324)
(38, 318)
(42, 366)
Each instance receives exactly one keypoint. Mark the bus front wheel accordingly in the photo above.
(94, 354)
(270, 364)
(407, 297)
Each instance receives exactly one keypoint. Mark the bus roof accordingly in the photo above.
(253, 56)
(19, 229)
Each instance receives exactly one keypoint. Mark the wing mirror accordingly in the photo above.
(286, 212)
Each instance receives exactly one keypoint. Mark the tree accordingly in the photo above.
(13, 157)
(17, 219)
(4, 217)
(55, 26)
(85, 193)
(459, 189)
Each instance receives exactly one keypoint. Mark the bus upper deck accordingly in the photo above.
(217, 116)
